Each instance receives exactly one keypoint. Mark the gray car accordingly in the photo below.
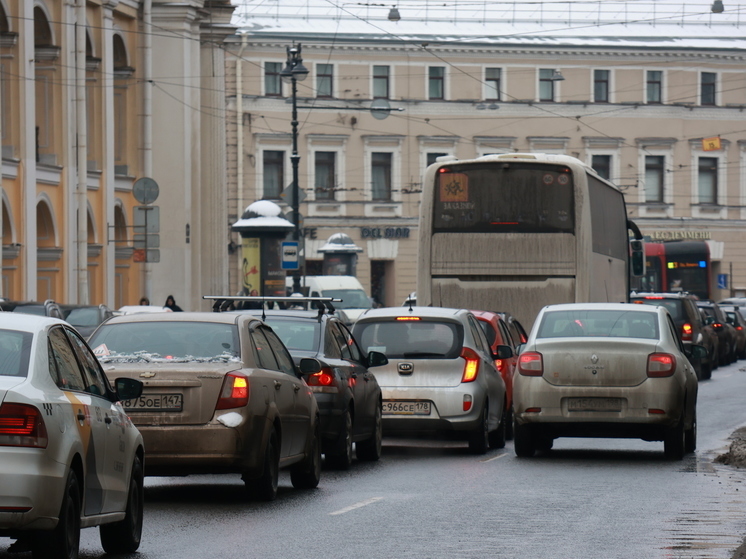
(440, 376)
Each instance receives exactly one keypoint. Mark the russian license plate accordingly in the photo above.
(403, 407)
(594, 404)
(155, 402)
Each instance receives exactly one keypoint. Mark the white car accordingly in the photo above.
(70, 457)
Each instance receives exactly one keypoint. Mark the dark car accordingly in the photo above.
(348, 395)
(725, 331)
(736, 319)
(47, 308)
(691, 326)
(86, 318)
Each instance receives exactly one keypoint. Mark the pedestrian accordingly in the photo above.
(171, 304)
(253, 304)
(145, 301)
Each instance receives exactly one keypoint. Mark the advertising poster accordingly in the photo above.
(252, 265)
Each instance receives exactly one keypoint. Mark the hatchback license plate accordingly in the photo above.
(155, 402)
(594, 404)
(402, 407)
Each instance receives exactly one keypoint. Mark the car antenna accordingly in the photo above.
(410, 305)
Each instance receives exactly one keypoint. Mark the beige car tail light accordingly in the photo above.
(531, 364)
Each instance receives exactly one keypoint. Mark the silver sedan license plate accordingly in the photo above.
(404, 407)
(155, 402)
(594, 404)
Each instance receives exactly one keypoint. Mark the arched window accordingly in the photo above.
(42, 30)
(4, 25)
(45, 233)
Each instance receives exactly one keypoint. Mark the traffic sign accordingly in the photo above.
(147, 215)
(722, 281)
(153, 240)
(290, 255)
(287, 195)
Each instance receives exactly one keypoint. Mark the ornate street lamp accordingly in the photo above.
(293, 72)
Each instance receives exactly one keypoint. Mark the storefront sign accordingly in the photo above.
(680, 235)
(384, 232)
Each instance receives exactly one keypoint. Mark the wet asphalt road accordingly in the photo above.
(587, 498)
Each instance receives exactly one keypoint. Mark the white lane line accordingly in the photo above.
(356, 506)
(493, 458)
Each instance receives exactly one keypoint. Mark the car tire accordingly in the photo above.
(369, 450)
(543, 442)
(124, 536)
(497, 437)
(265, 487)
(673, 443)
(523, 442)
(64, 541)
(509, 425)
(705, 371)
(479, 441)
(341, 458)
(307, 473)
(690, 436)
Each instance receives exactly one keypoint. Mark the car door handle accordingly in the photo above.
(296, 387)
(107, 420)
(278, 385)
(81, 416)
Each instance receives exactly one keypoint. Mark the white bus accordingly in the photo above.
(515, 232)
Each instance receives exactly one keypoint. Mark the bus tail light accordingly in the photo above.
(686, 332)
(531, 364)
(235, 392)
(22, 425)
(323, 381)
(471, 367)
(661, 365)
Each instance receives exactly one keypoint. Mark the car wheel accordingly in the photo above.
(479, 438)
(523, 441)
(370, 449)
(307, 473)
(690, 436)
(265, 488)
(705, 370)
(341, 458)
(124, 536)
(673, 443)
(509, 425)
(497, 437)
(64, 541)
(543, 442)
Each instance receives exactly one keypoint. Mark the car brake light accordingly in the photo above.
(531, 364)
(408, 318)
(500, 364)
(235, 392)
(686, 332)
(323, 381)
(467, 402)
(22, 425)
(739, 328)
(471, 367)
(661, 365)
(654, 297)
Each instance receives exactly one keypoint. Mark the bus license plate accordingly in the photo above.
(403, 407)
(155, 402)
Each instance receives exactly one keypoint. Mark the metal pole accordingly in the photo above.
(81, 190)
(295, 159)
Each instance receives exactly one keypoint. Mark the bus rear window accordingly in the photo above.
(504, 198)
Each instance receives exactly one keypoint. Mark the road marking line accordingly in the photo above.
(493, 458)
(356, 506)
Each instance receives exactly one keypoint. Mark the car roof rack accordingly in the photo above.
(224, 302)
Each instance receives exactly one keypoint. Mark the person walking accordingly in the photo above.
(171, 304)
(145, 301)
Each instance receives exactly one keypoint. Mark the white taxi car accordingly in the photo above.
(70, 457)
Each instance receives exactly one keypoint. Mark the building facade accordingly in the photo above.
(657, 107)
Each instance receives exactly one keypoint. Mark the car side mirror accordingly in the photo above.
(697, 351)
(377, 359)
(309, 366)
(128, 388)
(503, 352)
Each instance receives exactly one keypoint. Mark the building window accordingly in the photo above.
(601, 86)
(655, 86)
(431, 157)
(381, 176)
(274, 162)
(654, 169)
(707, 88)
(602, 165)
(272, 82)
(436, 82)
(325, 174)
(380, 82)
(492, 80)
(546, 85)
(707, 181)
(324, 80)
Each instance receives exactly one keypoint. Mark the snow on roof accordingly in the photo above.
(612, 23)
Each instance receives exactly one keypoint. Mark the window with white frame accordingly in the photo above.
(654, 85)
(602, 165)
(546, 85)
(273, 165)
(707, 180)
(324, 80)
(272, 81)
(381, 85)
(381, 174)
(601, 86)
(436, 82)
(654, 178)
(492, 83)
(325, 174)
(708, 84)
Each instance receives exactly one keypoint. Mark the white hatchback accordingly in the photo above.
(70, 457)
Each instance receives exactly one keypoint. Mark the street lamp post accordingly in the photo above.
(294, 72)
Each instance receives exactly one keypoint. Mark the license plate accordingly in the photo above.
(594, 404)
(155, 402)
(403, 407)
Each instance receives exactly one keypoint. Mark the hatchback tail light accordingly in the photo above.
(323, 381)
(471, 366)
(22, 425)
(686, 332)
(235, 392)
(500, 364)
(531, 364)
(661, 365)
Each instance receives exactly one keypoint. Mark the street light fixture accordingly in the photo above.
(293, 72)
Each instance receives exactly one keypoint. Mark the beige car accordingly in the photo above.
(605, 370)
(221, 395)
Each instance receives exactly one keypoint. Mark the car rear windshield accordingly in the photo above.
(179, 341)
(15, 349)
(302, 335)
(37, 310)
(411, 339)
(351, 298)
(599, 323)
(675, 307)
(88, 316)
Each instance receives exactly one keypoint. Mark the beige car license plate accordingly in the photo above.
(403, 407)
(155, 402)
(594, 404)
